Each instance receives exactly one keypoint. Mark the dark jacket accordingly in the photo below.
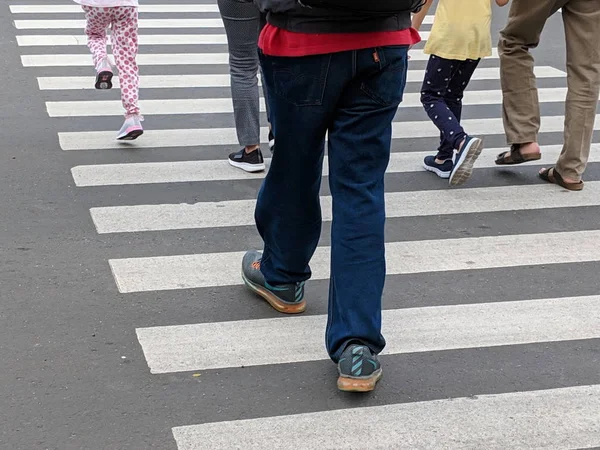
(290, 15)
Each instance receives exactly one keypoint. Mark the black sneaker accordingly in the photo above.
(359, 369)
(271, 142)
(250, 162)
(285, 298)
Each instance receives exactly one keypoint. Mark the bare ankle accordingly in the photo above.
(251, 148)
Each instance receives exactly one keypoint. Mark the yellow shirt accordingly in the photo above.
(461, 30)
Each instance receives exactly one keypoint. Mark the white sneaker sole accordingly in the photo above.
(247, 166)
(438, 172)
(463, 167)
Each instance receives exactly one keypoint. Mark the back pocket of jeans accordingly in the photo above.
(300, 81)
(386, 87)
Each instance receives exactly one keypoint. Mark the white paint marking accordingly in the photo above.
(234, 213)
(52, 40)
(223, 80)
(97, 108)
(67, 9)
(221, 345)
(153, 59)
(164, 273)
(556, 419)
(92, 140)
(143, 23)
(218, 170)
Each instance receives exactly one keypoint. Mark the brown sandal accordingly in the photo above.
(552, 176)
(514, 156)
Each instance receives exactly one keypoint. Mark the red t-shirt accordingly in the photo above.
(275, 41)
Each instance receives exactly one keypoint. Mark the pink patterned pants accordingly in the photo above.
(123, 21)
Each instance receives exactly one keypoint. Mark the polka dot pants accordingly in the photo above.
(123, 22)
(441, 95)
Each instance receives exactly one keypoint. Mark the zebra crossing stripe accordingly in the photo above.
(52, 40)
(553, 419)
(97, 108)
(93, 140)
(66, 9)
(67, 24)
(245, 343)
(54, 24)
(223, 80)
(164, 273)
(156, 59)
(235, 213)
(219, 170)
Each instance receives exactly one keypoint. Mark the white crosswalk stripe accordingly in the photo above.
(92, 140)
(156, 59)
(550, 419)
(215, 170)
(52, 40)
(236, 213)
(553, 417)
(246, 343)
(224, 105)
(163, 273)
(222, 80)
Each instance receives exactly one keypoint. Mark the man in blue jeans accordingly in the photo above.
(342, 73)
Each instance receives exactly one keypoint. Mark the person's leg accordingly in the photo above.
(288, 209)
(359, 151)
(436, 86)
(520, 104)
(97, 21)
(458, 82)
(242, 26)
(125, 49)
(582, 28)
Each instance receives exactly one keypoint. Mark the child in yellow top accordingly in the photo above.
(459, 38)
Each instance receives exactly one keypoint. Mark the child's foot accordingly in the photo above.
(104, 74)
(131, 129)
(465, 158)
(249, 161)
(441, 168)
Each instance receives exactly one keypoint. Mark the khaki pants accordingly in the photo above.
(521, 110)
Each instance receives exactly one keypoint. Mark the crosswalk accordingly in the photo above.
(186, 101)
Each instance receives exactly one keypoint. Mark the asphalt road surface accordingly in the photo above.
(123, 322)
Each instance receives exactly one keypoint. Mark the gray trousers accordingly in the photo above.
(243, 23)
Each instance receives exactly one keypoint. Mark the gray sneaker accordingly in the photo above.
(285, 298)
(359, 369)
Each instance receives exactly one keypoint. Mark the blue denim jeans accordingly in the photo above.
(354, 96)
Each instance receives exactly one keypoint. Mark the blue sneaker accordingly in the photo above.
(359, 369)
(285, 298)
(441, 170)
(465, 158)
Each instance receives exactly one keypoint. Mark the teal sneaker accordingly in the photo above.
(359, 369)
(285, 298)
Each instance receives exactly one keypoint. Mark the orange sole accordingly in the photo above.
(275, 303)
(358, 385)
